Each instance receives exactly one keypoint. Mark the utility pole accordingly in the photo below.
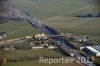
(38, 1)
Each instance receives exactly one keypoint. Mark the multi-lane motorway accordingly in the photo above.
(59, 40)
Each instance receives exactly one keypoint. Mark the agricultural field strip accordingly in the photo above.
(16, 31)
(69, 12)
(51, 18)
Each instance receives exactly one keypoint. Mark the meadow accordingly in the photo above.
(59, 14)
(36, 63)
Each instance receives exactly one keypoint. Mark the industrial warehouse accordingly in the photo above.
(93, 50)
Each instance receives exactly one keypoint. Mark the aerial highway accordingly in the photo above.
(59, 40)
(16, 14)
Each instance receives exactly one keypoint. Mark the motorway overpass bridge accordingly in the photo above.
(59, 40)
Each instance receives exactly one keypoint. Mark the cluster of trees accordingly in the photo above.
(20, 47)
(3, 61)
(89, 15)
(24, 58)
(3, 21)
(27, 58)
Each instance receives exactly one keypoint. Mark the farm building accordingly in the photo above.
(3, 34)
(91, 50)
(97, 47)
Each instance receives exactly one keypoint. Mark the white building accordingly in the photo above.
(3, 34)
(0, 37)
(41, 36)
(37, 47)
(52, 47)
(92, 50)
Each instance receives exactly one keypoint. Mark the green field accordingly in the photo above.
(17, 29)
(20, 55)
(35, 53)
(36, 63)
(44, 9)
(97, 60)
(59, 15)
